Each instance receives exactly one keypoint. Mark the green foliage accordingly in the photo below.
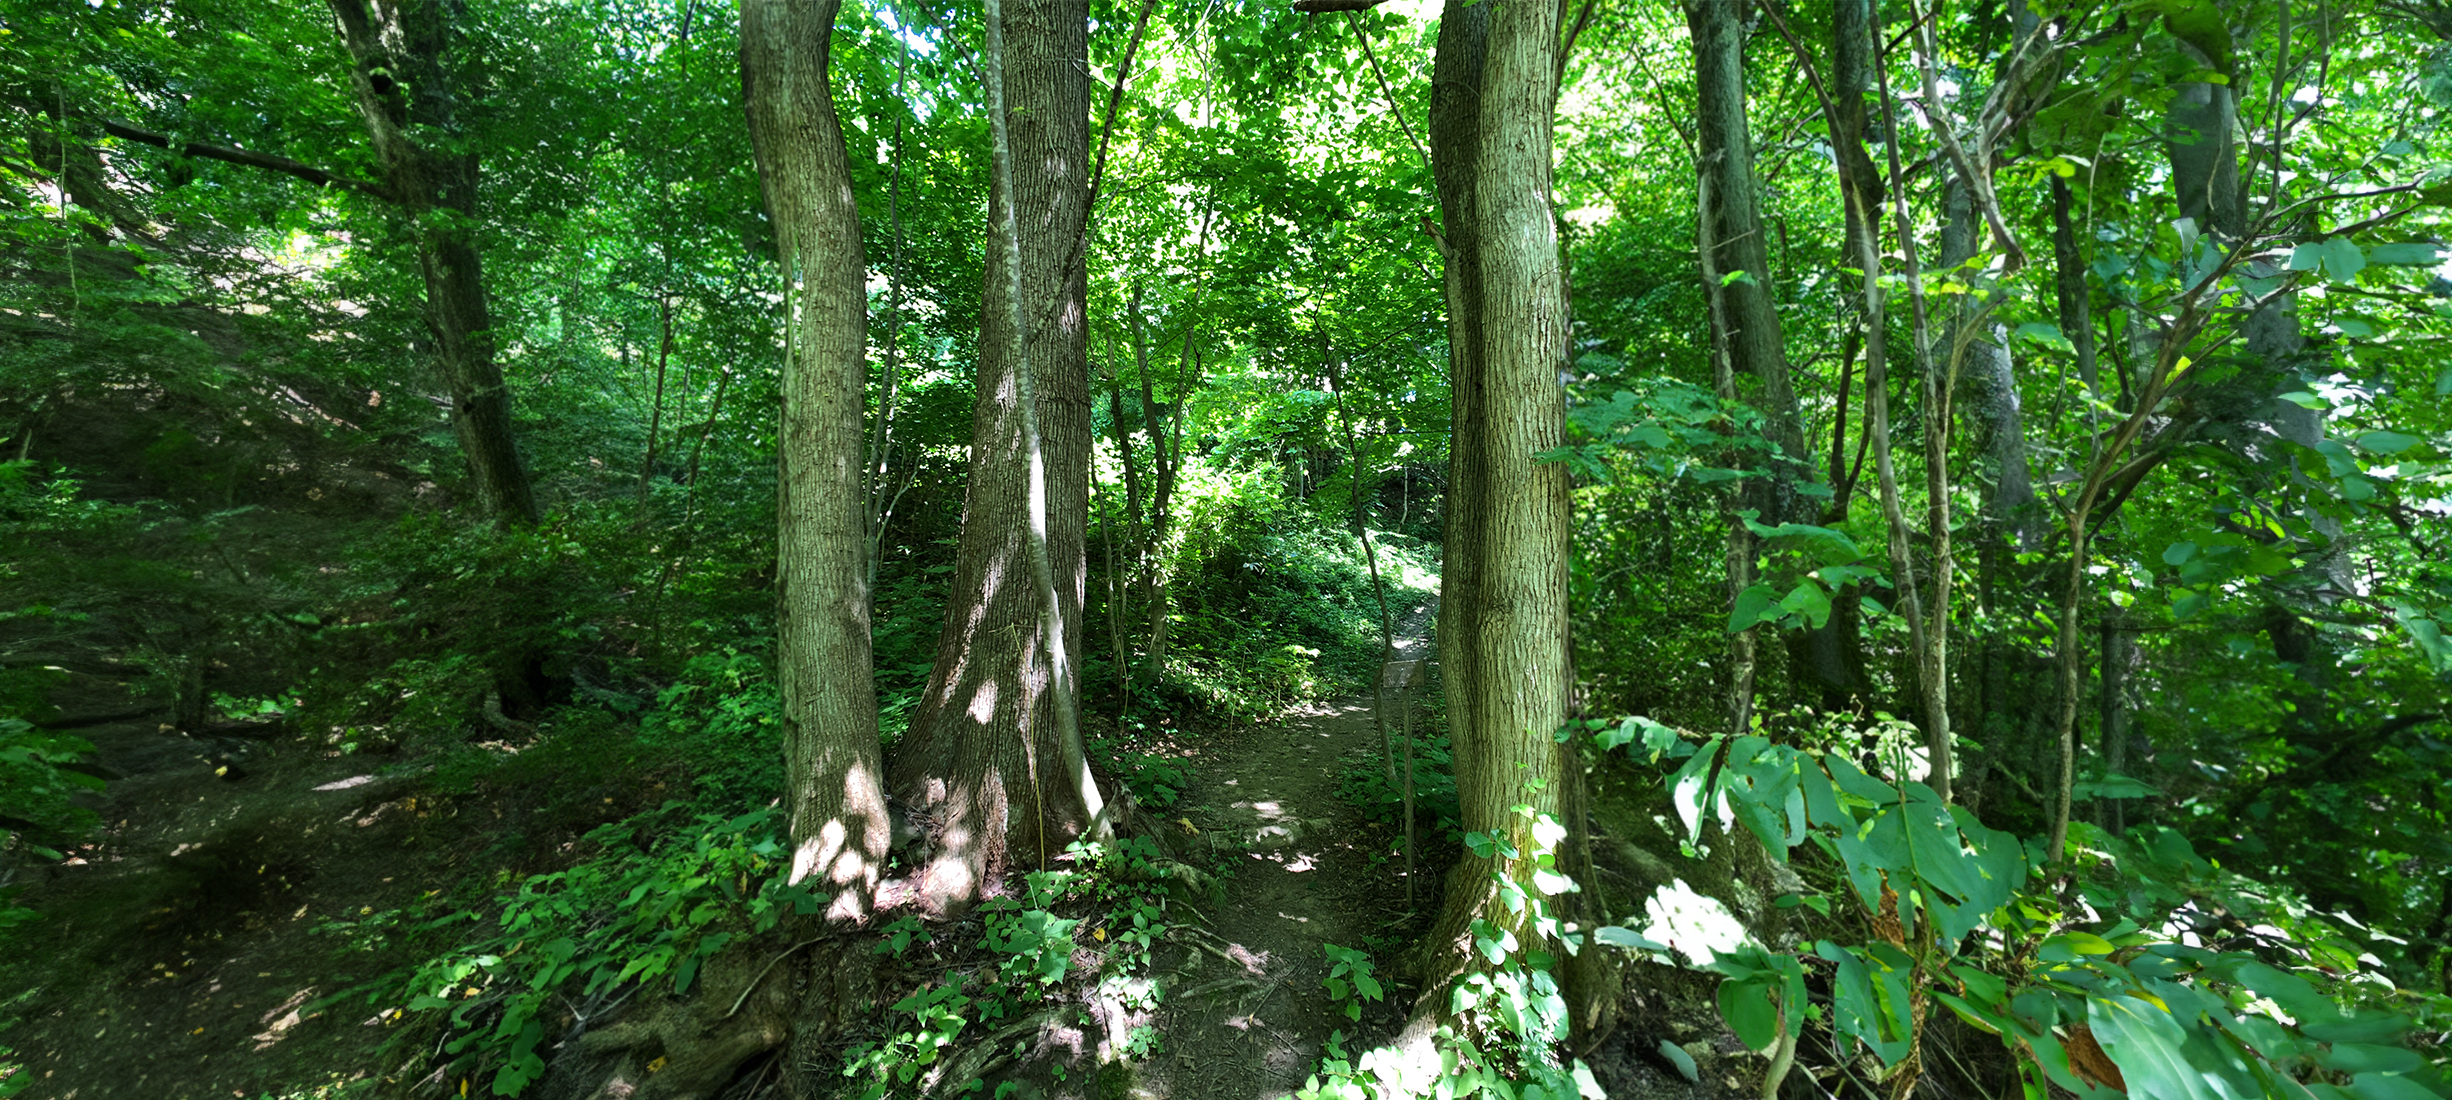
(722, 721)
(1351, 980)
(1365, 784)
(1960, 915)
(1156, 779)
(1119, 890)
(1274, 610)
(1509, 1018)
(36, 786)
(638, 912)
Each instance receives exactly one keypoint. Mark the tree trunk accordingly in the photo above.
(984, 759)
(2119, 656)
(1455, 122)
(1976, 349)
(404, 88)
(1725, 155)
(1745, 338)
(1504, 629)
(839, 825)
(655, 407)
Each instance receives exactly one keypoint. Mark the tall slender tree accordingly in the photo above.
(1503, 611)
(834, 770)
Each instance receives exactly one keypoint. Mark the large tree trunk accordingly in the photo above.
(1455, 120)
(839, 825)
(405, 91)
(984, 761)
(1503, 636)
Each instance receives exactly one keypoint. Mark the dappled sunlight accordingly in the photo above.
(284, 1016)
(1697, 925)
(982, 708)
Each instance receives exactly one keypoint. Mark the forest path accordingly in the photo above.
(1246, 1016)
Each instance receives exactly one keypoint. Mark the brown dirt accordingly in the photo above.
(1246, 1015)
(177, 954)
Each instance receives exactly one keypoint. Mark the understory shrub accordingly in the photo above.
(641, 912)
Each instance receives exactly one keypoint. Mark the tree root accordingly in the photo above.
(987, 1054)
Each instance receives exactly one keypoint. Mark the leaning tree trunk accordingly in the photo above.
(406, 93)
(839, 826)
(1504, 631)
(984, 762)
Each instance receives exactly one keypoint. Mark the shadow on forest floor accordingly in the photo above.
(1247, 1017)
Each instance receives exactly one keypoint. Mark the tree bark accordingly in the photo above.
(1977, 349)
(405, 91)
(984, 760)
(839, 825)
(1746, 341)
(1724, 152)
(1503, 633)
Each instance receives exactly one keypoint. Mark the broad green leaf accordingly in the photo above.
(1808, 600)
(2405, 255)
(1753, 605)
(2149, 1046)
(1749, 1007)
(1620, 936)
(2389, 1086)
(2044, 333)
(2385, 443)
(2368, 1058)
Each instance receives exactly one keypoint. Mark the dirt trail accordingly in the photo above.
(1246, 1016)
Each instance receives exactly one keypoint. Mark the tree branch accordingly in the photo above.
(1314, 7)
(266, 161)
(1354, 21)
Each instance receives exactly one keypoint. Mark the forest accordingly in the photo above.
(1183, 549)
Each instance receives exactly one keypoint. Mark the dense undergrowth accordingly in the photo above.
(612, 696)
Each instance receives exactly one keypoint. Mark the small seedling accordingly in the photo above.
(1350, 980)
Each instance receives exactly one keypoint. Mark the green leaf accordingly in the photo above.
(2342, 259)
(2067, 946)
(2044, 333)
(1809, 601)
(2369, 1058)
(2148, 1046)
(2404, 255)
(1748, 1006)
(2364, 1026)
(1753, 605)
(1684, 1062)
(1686, 788)
(2385, 443)
(2386, 1086)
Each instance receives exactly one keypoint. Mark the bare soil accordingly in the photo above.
(1246, 1015)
